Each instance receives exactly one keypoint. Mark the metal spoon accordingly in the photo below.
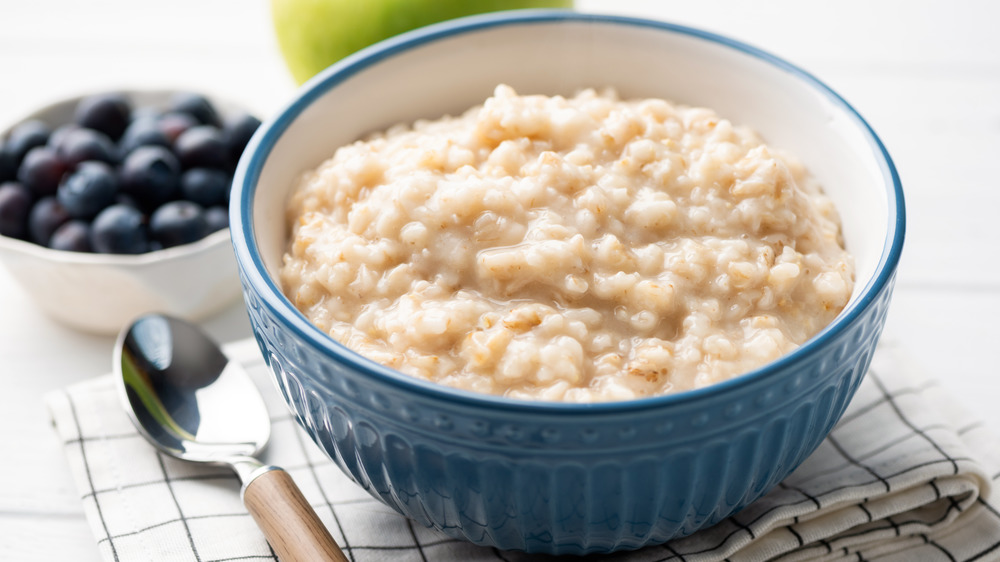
(192, 403)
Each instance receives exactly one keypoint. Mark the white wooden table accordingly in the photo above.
(926, 75)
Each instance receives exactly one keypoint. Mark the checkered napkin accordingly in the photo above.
(906, 475)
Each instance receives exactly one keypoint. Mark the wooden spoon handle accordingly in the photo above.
(288, 521)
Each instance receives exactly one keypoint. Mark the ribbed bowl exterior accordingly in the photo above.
(554, 483)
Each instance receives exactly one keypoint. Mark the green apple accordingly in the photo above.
(313, 34)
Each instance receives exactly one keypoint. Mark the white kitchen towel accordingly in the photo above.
(906, 475)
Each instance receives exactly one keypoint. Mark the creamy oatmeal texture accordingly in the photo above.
(577, 249)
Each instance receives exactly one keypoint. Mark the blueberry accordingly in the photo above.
(24, 137)
(217, 218)
(119, 229)
(60, 134)
(202, 147)
(86, 144)
(237, 132)
(8, 166)
(107, 113)
(205, 186)
(15, 204)
(178, 222)
(41, 171)
(73, 236)
(173, 124)
(151, 175)
(88, 190)
(46, 216)
(141, 132)
(197, 106)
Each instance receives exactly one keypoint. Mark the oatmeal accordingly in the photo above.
(576, 249)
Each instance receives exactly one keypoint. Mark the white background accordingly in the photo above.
(925, 74)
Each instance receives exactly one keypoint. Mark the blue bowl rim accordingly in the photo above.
(259, 148)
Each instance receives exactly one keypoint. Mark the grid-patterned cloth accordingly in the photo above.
(906, 475)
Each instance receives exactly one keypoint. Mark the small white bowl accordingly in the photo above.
(100, 293)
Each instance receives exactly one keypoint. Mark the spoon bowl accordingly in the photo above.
(187, 399)
(177, 384)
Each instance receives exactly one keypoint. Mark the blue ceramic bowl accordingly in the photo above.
(552, 477)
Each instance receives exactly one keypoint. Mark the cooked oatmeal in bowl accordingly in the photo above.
(558, 255)
(581, 249)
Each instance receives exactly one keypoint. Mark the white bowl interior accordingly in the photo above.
(458, 71)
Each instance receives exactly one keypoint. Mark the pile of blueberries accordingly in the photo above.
(121, 179)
